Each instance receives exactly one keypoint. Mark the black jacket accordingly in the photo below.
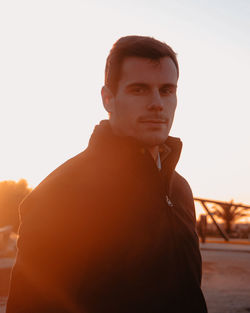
(107, 232)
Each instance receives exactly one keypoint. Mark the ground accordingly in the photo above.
(226, 281)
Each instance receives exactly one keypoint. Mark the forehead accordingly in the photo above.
(143, 70)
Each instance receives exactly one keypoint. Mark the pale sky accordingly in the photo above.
(52, 61)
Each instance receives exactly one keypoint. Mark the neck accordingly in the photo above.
(154, 152)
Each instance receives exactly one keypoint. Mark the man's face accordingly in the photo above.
(145, 102)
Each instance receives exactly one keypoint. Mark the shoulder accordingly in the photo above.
(57, 209)
(60, 187)
(180, 184)
(181, 194)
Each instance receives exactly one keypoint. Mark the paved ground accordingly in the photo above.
(226, 277)
(5, 269)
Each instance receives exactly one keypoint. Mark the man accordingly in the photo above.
(113, 229)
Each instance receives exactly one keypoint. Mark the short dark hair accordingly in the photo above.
(134, 46)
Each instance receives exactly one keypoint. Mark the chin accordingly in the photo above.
(152, 141)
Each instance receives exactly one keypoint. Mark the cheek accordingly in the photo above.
(122, 111)
(174, 108)
(127, 109)
(171, 106)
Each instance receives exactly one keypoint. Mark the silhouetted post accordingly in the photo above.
(223, 234)
(202, 227)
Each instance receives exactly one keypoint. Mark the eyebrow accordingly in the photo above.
(145, 84)
(136, 85)
(169, 85)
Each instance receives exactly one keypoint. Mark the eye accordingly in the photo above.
(137, 89)
(168, 90)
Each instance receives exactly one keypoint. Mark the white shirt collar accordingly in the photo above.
(158, 162)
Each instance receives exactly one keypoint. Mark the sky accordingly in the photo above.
(52, 61)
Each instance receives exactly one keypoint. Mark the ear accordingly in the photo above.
(107, 99)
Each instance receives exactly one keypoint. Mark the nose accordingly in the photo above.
(155, 103)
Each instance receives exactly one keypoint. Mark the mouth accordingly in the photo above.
(154, 121)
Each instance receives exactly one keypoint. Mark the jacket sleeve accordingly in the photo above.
(63, 241)
(38, 276)
(183, 196)
(28, 279)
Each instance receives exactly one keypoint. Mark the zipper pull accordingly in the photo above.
(169, 202)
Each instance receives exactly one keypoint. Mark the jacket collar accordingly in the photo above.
(104, 137)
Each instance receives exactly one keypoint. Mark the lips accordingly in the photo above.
(153, 121)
